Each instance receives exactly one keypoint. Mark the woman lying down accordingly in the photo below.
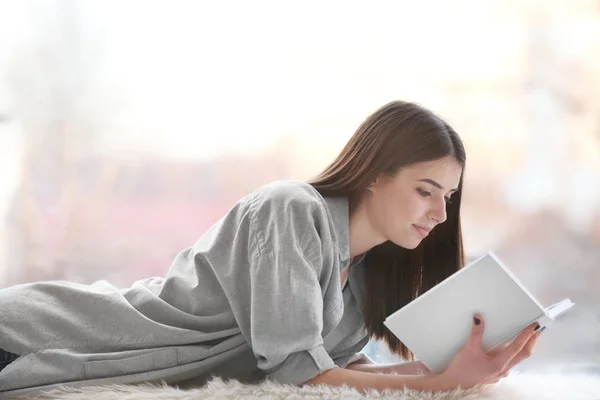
(288, 286)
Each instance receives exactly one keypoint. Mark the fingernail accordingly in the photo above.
(536, 328)
(477, 320)
(543, 329)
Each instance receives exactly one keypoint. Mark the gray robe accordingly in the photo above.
(257, 296)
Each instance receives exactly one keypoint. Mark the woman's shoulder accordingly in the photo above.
(288, 193)
(287, 199)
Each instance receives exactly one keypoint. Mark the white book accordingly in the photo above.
(437, 324)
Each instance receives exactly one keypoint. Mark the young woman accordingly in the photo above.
(289, 285)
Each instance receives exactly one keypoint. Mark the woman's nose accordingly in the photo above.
(438, 214)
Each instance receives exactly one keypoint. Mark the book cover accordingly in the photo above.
(437, 324)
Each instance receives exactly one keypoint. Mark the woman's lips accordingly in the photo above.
(423, 232)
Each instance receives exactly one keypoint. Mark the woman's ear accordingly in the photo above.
(377, 182)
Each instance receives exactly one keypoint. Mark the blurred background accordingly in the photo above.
(128, 127)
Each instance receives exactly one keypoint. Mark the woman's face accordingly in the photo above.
(404, 207)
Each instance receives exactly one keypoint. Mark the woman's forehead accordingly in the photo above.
(446, 172)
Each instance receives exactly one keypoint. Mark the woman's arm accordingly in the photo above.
(364, 381)
(407, 368)
(471, 366)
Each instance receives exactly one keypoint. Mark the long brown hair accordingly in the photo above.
(397, 135)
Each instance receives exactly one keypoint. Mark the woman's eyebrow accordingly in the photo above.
(434, 183)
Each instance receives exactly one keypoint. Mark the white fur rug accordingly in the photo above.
(517, 387)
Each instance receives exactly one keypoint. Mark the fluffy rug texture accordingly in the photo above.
(516, 386)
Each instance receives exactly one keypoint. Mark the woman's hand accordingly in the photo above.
(473, 366)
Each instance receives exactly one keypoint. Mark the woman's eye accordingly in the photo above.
(424, 193)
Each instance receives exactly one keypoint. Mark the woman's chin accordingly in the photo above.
(413, 246)
(408, 244)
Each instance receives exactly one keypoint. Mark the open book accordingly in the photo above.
(437, 324)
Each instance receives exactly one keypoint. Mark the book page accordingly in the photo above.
(556, 310)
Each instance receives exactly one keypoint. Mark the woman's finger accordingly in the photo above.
(517, 345)
(476, 331)
(526, 352)
(498, 349)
